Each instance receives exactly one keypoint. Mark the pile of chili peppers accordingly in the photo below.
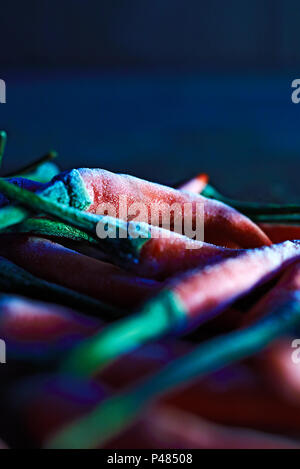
(153, 340)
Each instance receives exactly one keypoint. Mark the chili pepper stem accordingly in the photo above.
(277, 218)
(252, 209)
(94, 354)
(45, 227)
(13, 214)
(118, 412)
(32, 167)
(123, 248)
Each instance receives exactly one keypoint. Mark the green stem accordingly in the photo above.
(120, 242)
(94, 353)
(69, 189)
(283, 218)
(43, 173)
(251, 208)
(45, 227)
(12, 214)
(118, 412)
(33, 166)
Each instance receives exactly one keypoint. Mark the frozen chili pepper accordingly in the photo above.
(237, 395)
(281, 362)
(35, 331)
(162, 256)
(14, 279)
(166, 427)
(167, 254)
(280, 232)
(123, 247)
(69, 190)
(56, 263)
(221, 222)
(46, 402)
(196, 184)
(240, 397)
(114, 414)
(249, 208)
(190, 300)
(234, 396)
(150, 251)
(287, 289)
(279, 366)
(49, 403)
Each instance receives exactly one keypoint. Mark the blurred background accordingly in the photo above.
(161, 89)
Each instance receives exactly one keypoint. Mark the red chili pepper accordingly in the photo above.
(280, 367)
(214, 287)
(56, 263)
(163, 256)
(196, 184)
(279, 232)
(246, 402)
(222, 223)
(47, 402)
(167, 427)
(34, 330)
(183, 304)
(288, 284)
(234, 396)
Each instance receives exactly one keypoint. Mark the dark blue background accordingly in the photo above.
(162, 89)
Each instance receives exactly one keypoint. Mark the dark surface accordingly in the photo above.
(234, 35)
(243, 129)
